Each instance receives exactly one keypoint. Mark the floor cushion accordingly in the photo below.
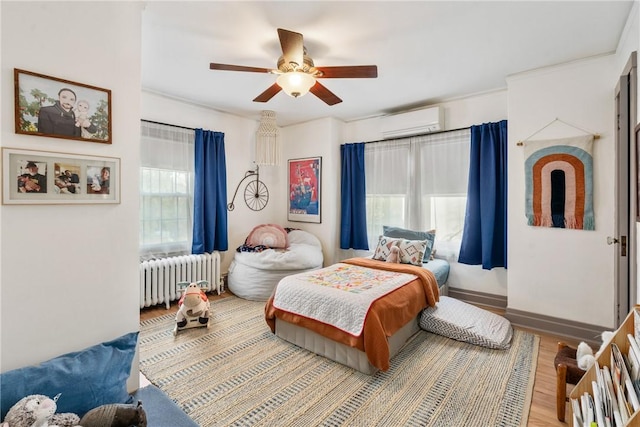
(460, 321)
(254, 275)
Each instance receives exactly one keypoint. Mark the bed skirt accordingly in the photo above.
(338, 352)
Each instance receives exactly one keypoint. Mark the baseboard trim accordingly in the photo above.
(562, 328)
(591, 334)
(480, 298)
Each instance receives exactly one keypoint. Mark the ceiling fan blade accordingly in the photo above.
(268, 94)
(324, 94)
(347, 72)
(292, 46)
(226, 67)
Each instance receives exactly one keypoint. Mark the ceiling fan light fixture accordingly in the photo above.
(296, 83)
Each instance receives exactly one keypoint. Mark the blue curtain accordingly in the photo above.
(353, 217)
(484, 239)
(210, 194)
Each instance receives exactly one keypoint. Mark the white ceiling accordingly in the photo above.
(426, 51)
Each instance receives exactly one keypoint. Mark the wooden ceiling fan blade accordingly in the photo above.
(349, 72)
(227, 67)
(268, 94)
(324, 94)
(292, 45)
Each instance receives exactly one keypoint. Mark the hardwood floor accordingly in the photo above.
(543, 404)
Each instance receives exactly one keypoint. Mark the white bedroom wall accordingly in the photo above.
(69, 272)
(239, 142)
(549, 267)
(312, 139)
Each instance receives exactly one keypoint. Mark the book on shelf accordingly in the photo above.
(634, 357)
(583, 411)
(612, 398)
(636, 323)
(608, 395)
(576, 407)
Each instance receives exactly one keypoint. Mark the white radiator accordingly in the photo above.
(159, 277)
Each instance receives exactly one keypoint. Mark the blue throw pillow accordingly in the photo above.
(403, 233)
(86, 379)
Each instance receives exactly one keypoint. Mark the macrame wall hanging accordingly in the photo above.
(267, 144)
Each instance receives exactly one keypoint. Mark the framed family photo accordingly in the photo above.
(32, 177)
(58, 108)
(305, 178)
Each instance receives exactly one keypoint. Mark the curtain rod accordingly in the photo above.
(422, 134)
(166, 124)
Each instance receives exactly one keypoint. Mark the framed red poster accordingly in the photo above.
(305, 178)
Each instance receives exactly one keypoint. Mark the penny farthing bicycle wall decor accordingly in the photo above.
(256, 194)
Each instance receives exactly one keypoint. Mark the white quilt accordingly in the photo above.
(338, 295)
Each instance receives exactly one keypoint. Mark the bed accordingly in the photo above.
(390, 321)
(253, 274)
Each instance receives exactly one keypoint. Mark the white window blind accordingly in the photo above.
(166, 190)
(419, 183)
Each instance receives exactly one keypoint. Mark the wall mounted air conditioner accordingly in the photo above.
(412, 123)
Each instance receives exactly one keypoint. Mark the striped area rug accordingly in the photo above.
(237, 373)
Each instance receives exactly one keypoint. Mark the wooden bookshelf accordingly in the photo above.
(620, 338)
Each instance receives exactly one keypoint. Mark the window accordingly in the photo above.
(166, 190)
(419, 183)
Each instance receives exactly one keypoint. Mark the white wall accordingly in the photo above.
(313, 139)
(69, 272)
(239, 141)
(559, 272)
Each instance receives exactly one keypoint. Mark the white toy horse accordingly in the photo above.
(194, 306)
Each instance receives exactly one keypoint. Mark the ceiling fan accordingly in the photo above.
(297, 73)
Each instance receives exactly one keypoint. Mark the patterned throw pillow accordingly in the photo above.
(404, 233)
(384, 248)
(411, 251)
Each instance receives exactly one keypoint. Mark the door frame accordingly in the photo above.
(625, 269)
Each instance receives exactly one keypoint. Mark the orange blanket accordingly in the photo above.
(386, 316)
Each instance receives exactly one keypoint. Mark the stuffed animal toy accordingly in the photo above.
(194, 306)
(115, 415)
(584, 354)
(394, 254)
(37, 410)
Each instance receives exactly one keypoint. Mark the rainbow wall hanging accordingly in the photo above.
(559, 183)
